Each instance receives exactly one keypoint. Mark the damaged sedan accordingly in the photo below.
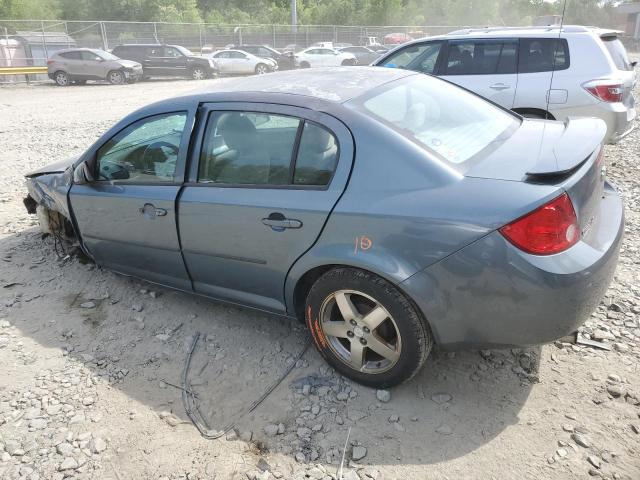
(388, 210)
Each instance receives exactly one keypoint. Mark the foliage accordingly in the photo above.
(319, 12)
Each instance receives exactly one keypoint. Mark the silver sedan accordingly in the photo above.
(239, 62)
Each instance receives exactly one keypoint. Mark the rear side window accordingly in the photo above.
(71, 55)
(250, 148)
(543, 55)
(481, 57)
(420, 58)
(618, 53)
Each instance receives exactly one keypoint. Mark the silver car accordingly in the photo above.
(239, 62)
(78, 65)
(540, 72)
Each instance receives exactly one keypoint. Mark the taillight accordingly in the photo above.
(49, 62)
(605, 90)
(549, 229)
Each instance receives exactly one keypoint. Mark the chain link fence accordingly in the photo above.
(31, 42)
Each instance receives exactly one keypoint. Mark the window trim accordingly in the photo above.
(178, 174)
(197, 155)
(442, 61)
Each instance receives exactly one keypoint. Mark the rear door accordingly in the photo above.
(484, 66)
(262, 181)
(127, 216)
(224, 62)
(73, 62)
(153, 62)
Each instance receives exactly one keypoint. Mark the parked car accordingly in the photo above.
(364, 55)
(239, 62)
(77, 65)
(592, 74)
(292, 47)
(323, 57)
(397, 38)
(168, 61)
(387, 209)
(284, 61)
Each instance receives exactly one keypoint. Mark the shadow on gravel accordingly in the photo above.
(136, 336)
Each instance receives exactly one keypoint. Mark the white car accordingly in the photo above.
(323, 57)
(239, 62)
(540, 72)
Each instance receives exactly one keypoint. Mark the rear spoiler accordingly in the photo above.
(580, 138)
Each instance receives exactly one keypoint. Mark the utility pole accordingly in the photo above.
(294, 16)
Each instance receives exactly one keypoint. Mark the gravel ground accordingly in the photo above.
(91, 362)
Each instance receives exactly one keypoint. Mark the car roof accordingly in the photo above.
(78, 49)
(330, 84)
(550, 30)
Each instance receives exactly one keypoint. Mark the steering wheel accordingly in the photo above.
(159, 146)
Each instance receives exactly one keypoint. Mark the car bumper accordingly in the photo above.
(619, 117)
(490, 294)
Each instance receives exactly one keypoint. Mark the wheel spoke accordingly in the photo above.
(382, 349)
(357, 355)
(335, 329)
(347, 309)
(375, 317)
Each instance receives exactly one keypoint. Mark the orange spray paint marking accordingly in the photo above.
(362, 243)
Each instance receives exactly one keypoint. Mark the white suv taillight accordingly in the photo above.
(605, 90)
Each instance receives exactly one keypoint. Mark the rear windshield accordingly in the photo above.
(440, 117)
(618, 53)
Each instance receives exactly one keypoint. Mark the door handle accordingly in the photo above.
(500, 86)
(149, 210)
(278, 222)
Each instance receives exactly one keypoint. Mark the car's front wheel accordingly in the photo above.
(61, 78)
(198, 73)
(305, 65)
(261, 69)
(366, 328)
(116, 77)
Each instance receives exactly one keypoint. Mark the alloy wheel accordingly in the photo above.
(62, 79)
(261, 69)
(360, 331)
(116, 77)
(198, 74)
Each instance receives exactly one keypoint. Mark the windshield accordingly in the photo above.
(106, 55)
(438, 116)
(182, 50)
(618, 53)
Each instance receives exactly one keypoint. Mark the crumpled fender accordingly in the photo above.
(51, 189)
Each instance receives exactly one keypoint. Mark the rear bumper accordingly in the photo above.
(618, 117)
(490, 294)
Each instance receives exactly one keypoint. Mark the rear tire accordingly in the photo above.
(61, 78)
(115, 77)
(381, 350)
(348, 63)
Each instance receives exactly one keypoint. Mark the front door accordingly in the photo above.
(127, 216)
(93, 65)
(175, 63)
(262, 183)
(487, 67)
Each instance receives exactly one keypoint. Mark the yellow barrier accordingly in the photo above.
(22, 70)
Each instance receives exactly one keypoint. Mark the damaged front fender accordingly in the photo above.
(50, 190)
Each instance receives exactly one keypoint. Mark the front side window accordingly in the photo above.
(172, 52)
(251, 148)
(145, 151)
(438, 116)
(420, 58)
(90, 56)
(481, 57)
(543, 55)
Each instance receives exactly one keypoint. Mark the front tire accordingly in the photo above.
(62, 79)
(115, 77)
(365, 328)
(261, 69)
(198, 73)
(305, 65)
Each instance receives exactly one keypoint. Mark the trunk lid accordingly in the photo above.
(563, 154)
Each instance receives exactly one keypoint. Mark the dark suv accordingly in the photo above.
(167, 61)
(285, 60)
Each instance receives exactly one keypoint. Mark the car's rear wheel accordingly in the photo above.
(348, 63)
(61, 78)
(261, 69)
(366, 328)
(198, 73)
(304, 65)
(116, 77)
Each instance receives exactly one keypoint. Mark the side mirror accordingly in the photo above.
(633, 64)
(82, 174)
